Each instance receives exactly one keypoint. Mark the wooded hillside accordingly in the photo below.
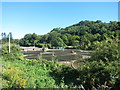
(83, 35)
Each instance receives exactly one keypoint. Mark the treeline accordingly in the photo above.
(83, 35)
(100, 72)
(5, 38)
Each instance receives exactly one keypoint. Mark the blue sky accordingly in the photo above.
(21, 18)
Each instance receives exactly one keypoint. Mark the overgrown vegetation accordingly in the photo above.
(15, 51)
(101, 71)
(96, 72)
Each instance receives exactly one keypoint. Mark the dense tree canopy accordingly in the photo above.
(82, 35)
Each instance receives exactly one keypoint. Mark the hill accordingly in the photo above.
(83, 35)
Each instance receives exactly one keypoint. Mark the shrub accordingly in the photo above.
(15, 77)
(107, 51)
(27, 73)
(99, 73)
(14, 53)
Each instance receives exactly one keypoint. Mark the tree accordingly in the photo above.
(65, 39)
(58, 42)
(4, 37)
(56, 29)
(107, 50)
(15, 52)
(30, 40)
(16, 41)
(84, 33)
(11, 37)
(98, 21)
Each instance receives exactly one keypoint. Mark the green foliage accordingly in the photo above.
(107, 51)
(16, 41)
(29, 40)
(40, 45)
(65, 76)
(15, 51)
(25, 73)
(99, 73)
(5, 37)
(83, 35)
(58, 42)
(40, 73)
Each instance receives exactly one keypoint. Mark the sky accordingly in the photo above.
(22, 18)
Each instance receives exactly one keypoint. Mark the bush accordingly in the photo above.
(27, 73)
(99, 73)
(15, 77)
(14, 53)
(107, 51)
